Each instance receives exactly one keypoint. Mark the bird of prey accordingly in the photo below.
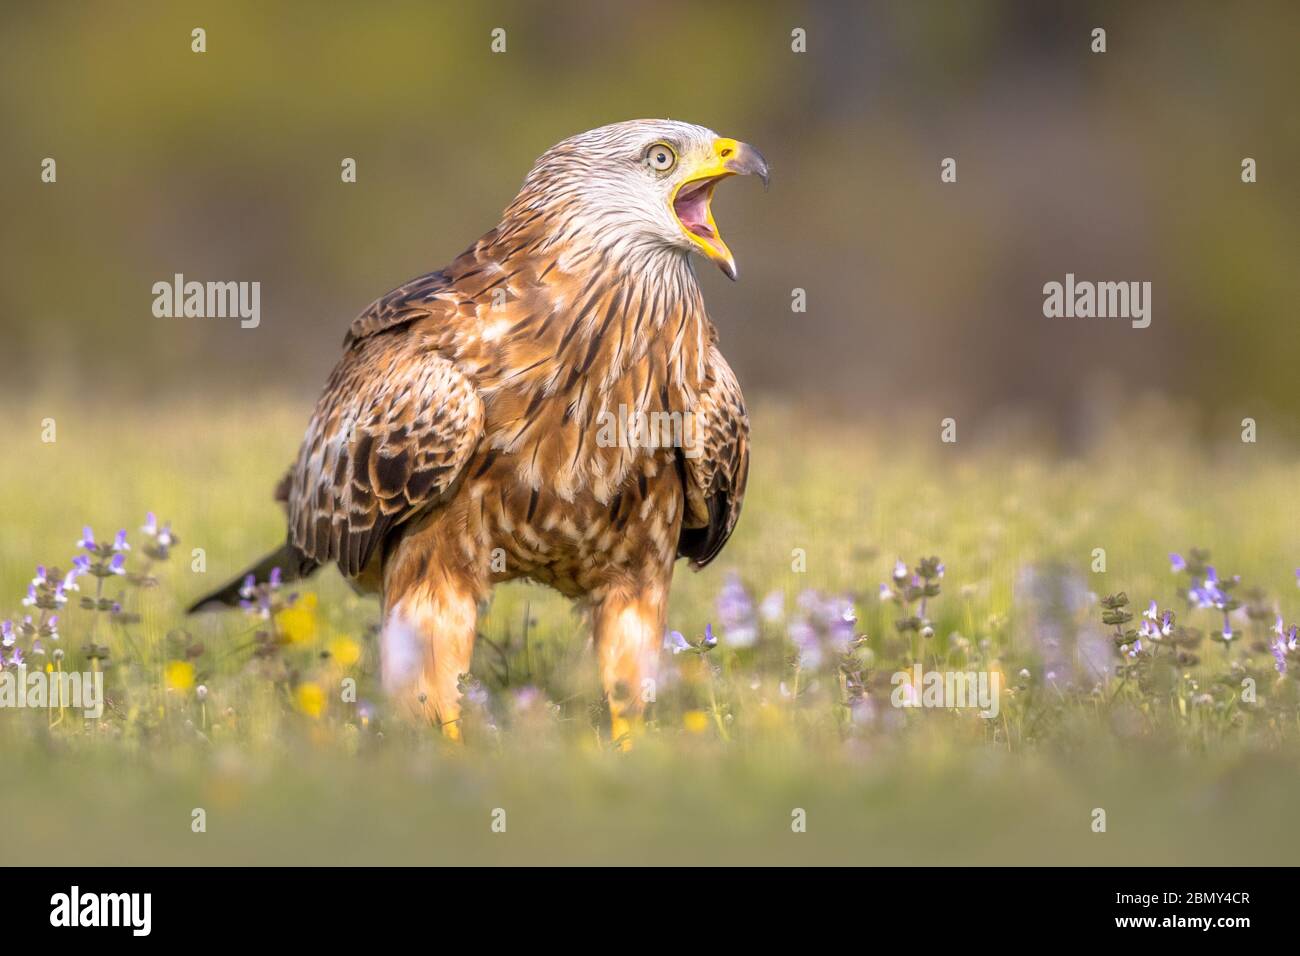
(552, 406)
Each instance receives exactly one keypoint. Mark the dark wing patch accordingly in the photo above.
(414, 300)
(390, 434)
(715, 478)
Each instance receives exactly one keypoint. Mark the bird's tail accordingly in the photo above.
(287, 558)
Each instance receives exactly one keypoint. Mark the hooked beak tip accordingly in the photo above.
(749, 161)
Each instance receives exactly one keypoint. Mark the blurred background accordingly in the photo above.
(1119, 166)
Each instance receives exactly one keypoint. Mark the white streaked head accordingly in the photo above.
(639, 183)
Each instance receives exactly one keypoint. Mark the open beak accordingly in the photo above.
(693, 196)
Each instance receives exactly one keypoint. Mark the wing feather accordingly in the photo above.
(416, 299)
(715, 478)
(391, 433)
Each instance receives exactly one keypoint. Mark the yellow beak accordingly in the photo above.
(692, 199)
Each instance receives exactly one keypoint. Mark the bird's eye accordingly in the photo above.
(660, 157)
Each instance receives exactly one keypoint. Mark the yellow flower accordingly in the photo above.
(345, 651)
(696, 721)
(179, 675)
(310, 699)
(298, 623)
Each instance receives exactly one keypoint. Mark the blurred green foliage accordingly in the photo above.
(225, 165)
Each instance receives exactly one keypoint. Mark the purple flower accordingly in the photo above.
(119, 543)
(87, 539)
(7, 633)
(773, 607)
(525, 698)
(1208, 594)
(840, 618)
(118, 564)
(1154, 624)
(674, 642)
(1285, 641)
(258, 600)
(1287, 637)
(40, 575)
(900, 571)
(736, 611)
(804, 636)
(30, 600)
(1279, 656)
(161, 535)
(1177, 563)
(709, 640)
(275, 578)
(16, 658)
(824, 624)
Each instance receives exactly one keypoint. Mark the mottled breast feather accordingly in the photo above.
(391, 433)
(715, 478)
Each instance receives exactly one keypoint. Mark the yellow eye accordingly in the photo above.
(660, 157)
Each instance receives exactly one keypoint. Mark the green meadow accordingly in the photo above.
(781, 744)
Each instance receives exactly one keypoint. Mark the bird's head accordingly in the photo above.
(638, 185)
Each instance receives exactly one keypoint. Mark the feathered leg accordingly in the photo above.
(430, 619)
(629, 628)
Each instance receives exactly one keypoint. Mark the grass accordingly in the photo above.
(1185, 769)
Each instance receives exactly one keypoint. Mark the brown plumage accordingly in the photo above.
(471, 432)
